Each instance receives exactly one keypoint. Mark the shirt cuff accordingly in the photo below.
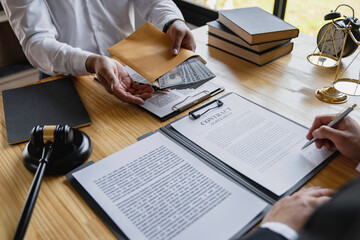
(169, 23)
(169, 18)
(78, 61)
(282, 229)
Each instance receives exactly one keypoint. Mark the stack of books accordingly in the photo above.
(252, 34)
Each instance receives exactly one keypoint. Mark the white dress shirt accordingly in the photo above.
(57, 36)
(282, 229)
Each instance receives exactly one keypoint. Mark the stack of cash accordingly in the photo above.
(191, 72)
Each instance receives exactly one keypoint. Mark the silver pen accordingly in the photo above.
(337, 119)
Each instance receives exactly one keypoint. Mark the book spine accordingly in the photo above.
(235, 28)
(246, 54)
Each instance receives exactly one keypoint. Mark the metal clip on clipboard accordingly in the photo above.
(186, 106)
(207, 94)
(218, 102)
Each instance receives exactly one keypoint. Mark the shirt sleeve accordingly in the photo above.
(32, 24)
(281, 229)
(158, 12)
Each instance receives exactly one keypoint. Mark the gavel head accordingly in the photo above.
(59, 135)
(71, 147)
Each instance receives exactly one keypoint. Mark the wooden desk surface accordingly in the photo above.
(285, 86)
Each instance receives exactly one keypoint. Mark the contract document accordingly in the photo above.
(155, 189)
(254, 141)
(211, 174)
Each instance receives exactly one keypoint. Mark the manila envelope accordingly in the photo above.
(147, 51)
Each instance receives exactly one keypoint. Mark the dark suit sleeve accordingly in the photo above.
(263, 234)
(337, 219)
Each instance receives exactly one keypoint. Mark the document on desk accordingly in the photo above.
(166, 104)
(254, 141)
(155, 189)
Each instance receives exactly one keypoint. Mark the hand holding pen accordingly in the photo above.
(334, 120)
(344, 138)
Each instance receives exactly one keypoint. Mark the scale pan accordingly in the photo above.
(348, 86)
(323, 60)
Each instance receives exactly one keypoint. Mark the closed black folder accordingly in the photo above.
(50, 103)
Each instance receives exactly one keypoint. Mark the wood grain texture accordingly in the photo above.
(285, 86)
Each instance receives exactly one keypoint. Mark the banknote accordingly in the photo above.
(190, 72)
(171, 78)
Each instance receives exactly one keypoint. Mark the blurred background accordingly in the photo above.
(307, 15)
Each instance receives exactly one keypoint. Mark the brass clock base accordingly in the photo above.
(330, 95)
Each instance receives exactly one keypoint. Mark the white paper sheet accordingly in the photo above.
(154, 189)
(254, 141)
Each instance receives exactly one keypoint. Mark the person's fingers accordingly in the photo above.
(142, 91)
(132, 91)
(329, 145)
(318, 192)
(189, 42)
(145, 96)
(319, 121)
(323, 199)
(176, 43)
(126, 82)
(319, 143)
(127, 97)
(144, 88)
(135, 89)
(325, 132)
(309, 190)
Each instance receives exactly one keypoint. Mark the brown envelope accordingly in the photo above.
(147, 51)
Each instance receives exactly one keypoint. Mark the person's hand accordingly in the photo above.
(344, 137)
(116, 80)
(181, 36)
(295, 210)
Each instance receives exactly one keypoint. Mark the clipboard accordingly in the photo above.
(211, 161)
(198, 113)
(184, 103)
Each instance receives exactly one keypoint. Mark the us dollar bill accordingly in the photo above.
(191, 71)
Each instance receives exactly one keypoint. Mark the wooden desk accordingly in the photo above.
(285, 86)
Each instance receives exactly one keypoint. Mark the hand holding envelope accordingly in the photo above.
(147, 51)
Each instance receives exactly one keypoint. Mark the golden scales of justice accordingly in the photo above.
(334, 44)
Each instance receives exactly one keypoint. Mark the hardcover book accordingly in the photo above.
(255, 25)
(260, 59)
(219, 30)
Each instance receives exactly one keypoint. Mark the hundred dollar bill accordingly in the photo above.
(172, 78)
(191, 71)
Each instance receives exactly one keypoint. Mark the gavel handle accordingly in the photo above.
(33, 192)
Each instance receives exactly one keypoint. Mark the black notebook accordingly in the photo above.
(211, 176)
(50, 103)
